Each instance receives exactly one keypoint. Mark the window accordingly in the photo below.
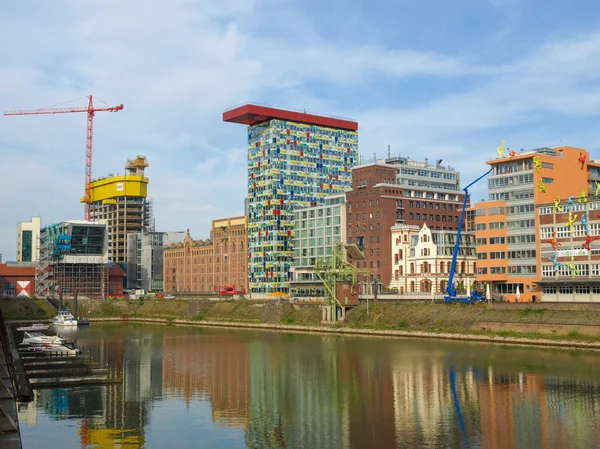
(547, 165)
(481, 241)
(496, 225)
(479, 212)
(480, 227)
(496, 210)
(548, 180)
(481, 256)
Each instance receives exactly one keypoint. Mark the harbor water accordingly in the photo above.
(194, 387)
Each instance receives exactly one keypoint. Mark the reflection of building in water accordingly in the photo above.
(136, 357)
(422, 400)
(216, 366)
(292, 404)
(27, 412)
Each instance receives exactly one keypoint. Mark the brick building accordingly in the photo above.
(205, 266)
(379, 199)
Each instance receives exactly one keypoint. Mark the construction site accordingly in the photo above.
(121, 202)
(73, 260)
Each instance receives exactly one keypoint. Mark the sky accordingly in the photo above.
(436, 79)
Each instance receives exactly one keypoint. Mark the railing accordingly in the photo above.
(5, 348)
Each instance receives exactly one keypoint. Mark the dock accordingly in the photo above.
(22, 370)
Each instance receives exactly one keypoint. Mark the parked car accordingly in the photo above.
(169, 297)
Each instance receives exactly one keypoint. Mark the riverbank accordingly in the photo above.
(571, 326)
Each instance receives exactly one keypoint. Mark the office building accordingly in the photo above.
(295, 160)
(507, 226)
(74, 260)
(317, 230)
(422, 259)
(211, 265)
(569, 255)
(122, 202)
(380, 198)
(28, 240)
(145, 258)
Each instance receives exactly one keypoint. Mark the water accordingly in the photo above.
(211, 388)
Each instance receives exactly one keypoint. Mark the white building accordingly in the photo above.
(28, 240)
(422, 257)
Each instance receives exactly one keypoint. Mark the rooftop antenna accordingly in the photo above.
(389, 152)
(374, 157)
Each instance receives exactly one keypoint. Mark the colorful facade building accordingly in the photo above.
(422, 257)
(295, 160)
(507, 226)
(28, 240)
(380, 199)
(209, 266)
(122, 202)
(569, 250)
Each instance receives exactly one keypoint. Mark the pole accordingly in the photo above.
(60, 300)
(75, 304)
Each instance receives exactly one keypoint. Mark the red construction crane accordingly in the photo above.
(88, 142)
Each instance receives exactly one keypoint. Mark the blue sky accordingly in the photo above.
(434, 79)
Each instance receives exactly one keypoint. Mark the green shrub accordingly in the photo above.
(198, 317)
(402, 324)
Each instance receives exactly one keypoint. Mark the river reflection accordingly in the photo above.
(194, 387)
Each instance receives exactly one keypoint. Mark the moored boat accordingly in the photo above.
(64, 318)
(34, 327)
(36, 338)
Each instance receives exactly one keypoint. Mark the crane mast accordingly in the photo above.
(450, 287)
(90, 110)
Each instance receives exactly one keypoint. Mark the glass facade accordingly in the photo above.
(291, 165)
(26, 246)
(317, 230)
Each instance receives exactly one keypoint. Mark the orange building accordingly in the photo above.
(507, 226)
(197, 266)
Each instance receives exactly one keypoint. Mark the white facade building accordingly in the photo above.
(422, 257)
(28, 240)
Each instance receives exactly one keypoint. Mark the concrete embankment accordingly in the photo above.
(569, 325)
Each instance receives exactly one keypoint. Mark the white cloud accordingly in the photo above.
(178, 65)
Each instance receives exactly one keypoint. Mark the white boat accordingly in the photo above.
(34, 327)
(36, 338)
(57, 350)
(64, 318)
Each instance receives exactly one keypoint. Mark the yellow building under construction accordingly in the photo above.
(122, 201)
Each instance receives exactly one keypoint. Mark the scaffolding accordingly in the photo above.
(73, 259)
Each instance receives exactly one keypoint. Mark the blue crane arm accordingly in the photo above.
(450, 287)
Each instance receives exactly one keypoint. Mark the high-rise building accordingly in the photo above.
(295, 160)
(507, 226)
(28, 240)
(382, 197)
(121, 201)
(211, 265)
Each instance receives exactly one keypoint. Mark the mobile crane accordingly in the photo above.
(475, 296)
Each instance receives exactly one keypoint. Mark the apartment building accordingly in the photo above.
(380, 199)
(422, 257)
(28, 240)
(506, 226)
